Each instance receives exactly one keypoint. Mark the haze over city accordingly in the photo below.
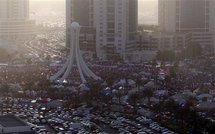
(148, 12)
(107, 67)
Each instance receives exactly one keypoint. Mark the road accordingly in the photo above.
(46, 44)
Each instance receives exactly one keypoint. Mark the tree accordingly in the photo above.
(138, 82)
(95, 88)
(110, 81)
(44, 84)
(133, 98)
(119, 94)
(148, 93)
(171, 106)
(167, 80)
(192, 50)
(172, 72)
(166, 55)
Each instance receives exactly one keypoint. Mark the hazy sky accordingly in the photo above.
(43, 8)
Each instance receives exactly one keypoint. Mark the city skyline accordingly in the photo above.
(148, 10)
(111, 25)
(107, 66)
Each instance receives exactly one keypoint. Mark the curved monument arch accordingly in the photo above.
(74, 57)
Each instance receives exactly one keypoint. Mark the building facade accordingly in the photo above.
(14, 20)
(111, 23)
(183, 16)
(155, 41)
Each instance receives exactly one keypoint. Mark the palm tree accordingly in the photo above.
(119, 95)
(133, 98)
(148, 93)
(167, 80)
(95, 88)
(138, 83)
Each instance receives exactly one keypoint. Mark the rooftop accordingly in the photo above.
(11, 121)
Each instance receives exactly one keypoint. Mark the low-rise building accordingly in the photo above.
(10, 124)
(173, 41)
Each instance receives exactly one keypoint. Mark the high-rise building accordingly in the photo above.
(79, 11)
(14, 19)
(14, 9)
(184, 16)
(111, 23)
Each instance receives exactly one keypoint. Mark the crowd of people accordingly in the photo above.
(118, 81)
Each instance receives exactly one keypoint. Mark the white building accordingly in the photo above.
(114, 22)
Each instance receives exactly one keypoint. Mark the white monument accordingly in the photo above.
(74, 57)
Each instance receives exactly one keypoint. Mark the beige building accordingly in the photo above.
(14, 20)
(188, 16)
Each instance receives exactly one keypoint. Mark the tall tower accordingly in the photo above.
(14, 19)
(14, 9)
(184, 15)
(113, 24)
(167, 15)
(187, 16)
(80, 11)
